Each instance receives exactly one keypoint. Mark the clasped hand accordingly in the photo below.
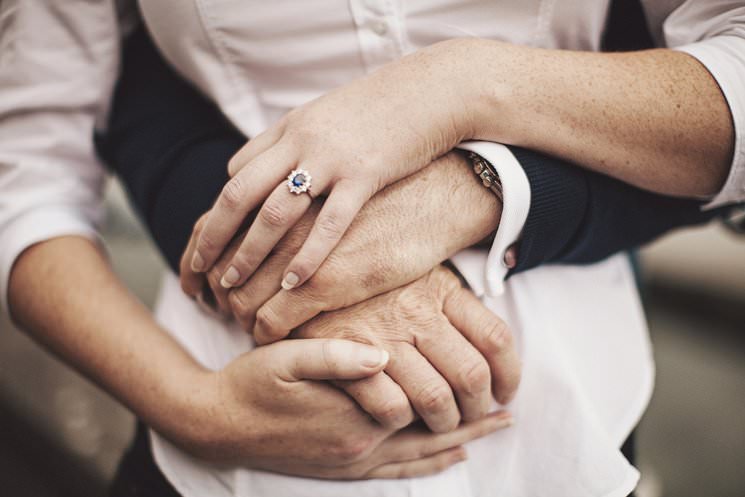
(448, 352)
(351, 143)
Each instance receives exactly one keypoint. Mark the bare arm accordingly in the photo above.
(655, 119)
(64, 293)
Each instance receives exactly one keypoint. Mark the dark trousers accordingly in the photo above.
(139, 476)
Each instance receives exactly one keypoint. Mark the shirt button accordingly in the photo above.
(379, 27)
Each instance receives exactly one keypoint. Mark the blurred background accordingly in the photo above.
(60, 436)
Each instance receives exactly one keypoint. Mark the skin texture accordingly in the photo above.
(226, 416)
(376, 257)
(399, 236)
(655, 119)
(337, 138)
(438, 317)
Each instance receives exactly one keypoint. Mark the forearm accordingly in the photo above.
(655, 119)
(579, 216)
(65, 295)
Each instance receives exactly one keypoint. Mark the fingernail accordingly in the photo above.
(373, 358)
(230, 277)
(460, 455)
(509, 259)
(291, 279)
(197, 262)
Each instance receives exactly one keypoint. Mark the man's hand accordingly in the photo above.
(400, 235)
(346, 141)
(265, 411)
(444, 345)
(424, 326)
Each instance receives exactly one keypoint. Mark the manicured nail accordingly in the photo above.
(291, 279)
(230, 278)
(197, 263)
(372, 358)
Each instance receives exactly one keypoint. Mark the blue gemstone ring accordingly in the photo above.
(299, 181)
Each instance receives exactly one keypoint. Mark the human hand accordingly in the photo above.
(354, 141)
(414, 323)
(400, 235)
(266, 411)
(444, 345)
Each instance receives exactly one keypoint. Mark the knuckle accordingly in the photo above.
(435, 397)
(206, 242)
(330, 226)
(272, 214)
(393, 413)
(354, 448)
(498, 337)
(232, 193)
(267, 320)
(245, 262)
(316, 293)
(239, 304)
(330, 352)
(474, 377)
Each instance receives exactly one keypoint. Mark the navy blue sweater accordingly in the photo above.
(170, 146)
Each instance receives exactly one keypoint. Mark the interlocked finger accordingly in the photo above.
(425, 387)
(491, 336)
(461, 364)
(382, 399)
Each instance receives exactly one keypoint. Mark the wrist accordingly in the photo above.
(188, 412)
(489, 88)
(459, 74)
(474, 211)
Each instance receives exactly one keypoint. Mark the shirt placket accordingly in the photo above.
(379, 28)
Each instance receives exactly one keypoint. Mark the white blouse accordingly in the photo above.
(587, 361)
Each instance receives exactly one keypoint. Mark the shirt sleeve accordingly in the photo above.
(57, 68)
(492, 271)
(713, 31)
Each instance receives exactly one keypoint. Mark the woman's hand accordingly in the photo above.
(266, 411)
(374, 257)
(399, 236)
(353, 142)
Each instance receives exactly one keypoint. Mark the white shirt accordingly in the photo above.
(587, 364)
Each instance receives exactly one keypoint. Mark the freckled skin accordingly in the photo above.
(656, 119)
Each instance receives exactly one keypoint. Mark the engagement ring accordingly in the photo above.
(299, 181)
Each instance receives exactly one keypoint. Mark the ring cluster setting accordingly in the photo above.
(299, 181)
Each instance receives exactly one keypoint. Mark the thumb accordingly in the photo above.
(326, 359)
